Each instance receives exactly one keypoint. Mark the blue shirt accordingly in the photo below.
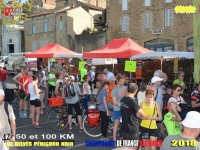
(109, 75)
(102, 94)
(159, 98)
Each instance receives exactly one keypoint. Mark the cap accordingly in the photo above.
(93, 67)
(192, 120)
(72, 77)
(155, 79)
(2, 93)
(112, 78)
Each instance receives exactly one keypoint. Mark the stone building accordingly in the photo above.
(151, 23)
(61, 25)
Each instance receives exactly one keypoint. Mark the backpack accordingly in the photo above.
(70, 90)
(93, 118)
(6, 109)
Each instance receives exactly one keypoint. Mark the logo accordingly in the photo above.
(185, 9)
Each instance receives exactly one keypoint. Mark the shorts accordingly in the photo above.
(116, 115)
(35, 103)
(76, 107)
(152, 132)
(22, 94)
(128, 136)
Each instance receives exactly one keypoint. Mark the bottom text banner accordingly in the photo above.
(41, 144)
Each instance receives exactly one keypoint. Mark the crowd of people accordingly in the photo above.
(141, 110)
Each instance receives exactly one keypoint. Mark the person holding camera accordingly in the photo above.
(71, 92)
(195, 99)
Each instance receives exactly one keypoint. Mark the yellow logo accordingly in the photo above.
(185, 9)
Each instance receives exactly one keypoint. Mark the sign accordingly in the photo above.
(176, 65)
(104, 61)
(8, 11)
(81, 64)
(130, 66)
(138, 73)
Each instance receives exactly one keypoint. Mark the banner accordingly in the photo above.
(81, 64)
(130, 66)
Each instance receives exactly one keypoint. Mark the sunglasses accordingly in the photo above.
(182, 75)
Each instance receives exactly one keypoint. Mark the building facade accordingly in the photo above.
(151, 23)
(59, 25)
(12, 39)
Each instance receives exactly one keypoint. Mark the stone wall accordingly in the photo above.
(89, 42)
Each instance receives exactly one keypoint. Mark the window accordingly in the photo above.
(42, 44)
(61, 26)
(147, 2)
(124, 23)
(168, 1)
(190, 44)
(124, 5)
(45, 27)
(33, 28)
(160, 45)
(33, 46)
(168, 17)
(60, 18)
(10, 40)
(147, 20)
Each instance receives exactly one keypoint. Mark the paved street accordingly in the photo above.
(24, 128)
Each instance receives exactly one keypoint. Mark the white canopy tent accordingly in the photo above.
(164, 55)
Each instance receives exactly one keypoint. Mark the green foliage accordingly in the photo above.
(90, 31)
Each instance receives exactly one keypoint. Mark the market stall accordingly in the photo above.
(53, 51)
(117, 48)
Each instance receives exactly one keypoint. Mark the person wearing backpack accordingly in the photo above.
(7, 122)
(71, 92)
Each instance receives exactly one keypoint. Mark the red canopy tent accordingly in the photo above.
(51, 50)
(117, 48)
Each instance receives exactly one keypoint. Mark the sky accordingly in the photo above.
(23, 1)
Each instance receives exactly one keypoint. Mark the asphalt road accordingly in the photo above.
(26, 132)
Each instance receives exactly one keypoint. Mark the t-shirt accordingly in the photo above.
(149, 111)
(177, 101)
(52, 76)
(22, 79)
(195, 97)
(173, 127)
(3, 75)
(118, 92)
(129, 109)
(110, 88)
(4, 124)
(31, 89)
(109, 75)
(83, 73)
(179, 82)
(102, 94)
(159, 97)
(30, 79)
(168, 142)
(75, 99)
(141, 97)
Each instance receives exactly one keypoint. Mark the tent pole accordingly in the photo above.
(161, 62)
(113, 67)
(48, 64)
